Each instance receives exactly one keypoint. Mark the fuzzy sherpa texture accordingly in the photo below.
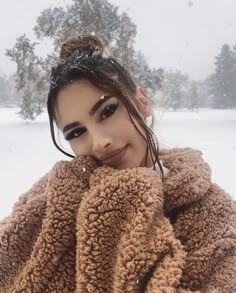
(83, 228)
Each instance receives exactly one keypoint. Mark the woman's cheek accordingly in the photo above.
(77, 147)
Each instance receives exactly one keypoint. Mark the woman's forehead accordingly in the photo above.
(80, 88)
(77, 100)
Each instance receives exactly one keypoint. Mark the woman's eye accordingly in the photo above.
(108, 111)
(75, 133)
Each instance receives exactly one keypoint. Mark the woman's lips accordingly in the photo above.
(115, 157)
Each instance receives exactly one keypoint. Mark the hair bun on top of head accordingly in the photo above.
(84, 44)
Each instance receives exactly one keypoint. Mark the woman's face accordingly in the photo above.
(98, 125)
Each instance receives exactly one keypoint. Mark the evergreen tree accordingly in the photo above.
(8, 96)
(174, 89)
(58, 24)
(234, 76)
(193, 96)
(3, 91)
(224, 79)
(204, 92)
(29, 77)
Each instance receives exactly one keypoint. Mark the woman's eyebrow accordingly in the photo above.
(95, 107)
(69, 126)
(98, 104)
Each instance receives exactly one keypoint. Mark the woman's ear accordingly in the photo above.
(144, 101)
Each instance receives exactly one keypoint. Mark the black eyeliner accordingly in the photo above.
(115, 105)
(70, 136)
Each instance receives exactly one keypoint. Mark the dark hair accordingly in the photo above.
(82, 57)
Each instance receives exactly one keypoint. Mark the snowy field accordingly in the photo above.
(26, 150)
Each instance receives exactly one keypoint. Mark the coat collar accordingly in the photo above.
(188, 178)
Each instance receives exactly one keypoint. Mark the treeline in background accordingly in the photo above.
(174, 90)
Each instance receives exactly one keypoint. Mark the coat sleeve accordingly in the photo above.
(19, 231)
(125, 243)
(207, 229)
(37, 241)
(223, 247)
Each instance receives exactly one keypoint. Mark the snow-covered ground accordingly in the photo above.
(26, 150)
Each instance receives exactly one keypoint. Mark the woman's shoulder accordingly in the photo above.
(189, 178)
(183, 159)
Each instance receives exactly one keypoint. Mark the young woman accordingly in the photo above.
(122, 216)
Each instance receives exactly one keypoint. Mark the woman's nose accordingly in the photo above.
(100, 143)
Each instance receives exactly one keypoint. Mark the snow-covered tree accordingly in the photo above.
(30, 77)
(8, 95)
(4, 95)
(204, 92)
(174, 88)
(192, 96)
(104, 20)
(224, 79)
(98, 17)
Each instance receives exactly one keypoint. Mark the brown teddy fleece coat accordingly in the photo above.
(83, 228)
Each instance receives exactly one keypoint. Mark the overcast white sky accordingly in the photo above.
(174, 34)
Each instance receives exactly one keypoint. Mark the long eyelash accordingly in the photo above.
(70, 136)
(115, 105)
